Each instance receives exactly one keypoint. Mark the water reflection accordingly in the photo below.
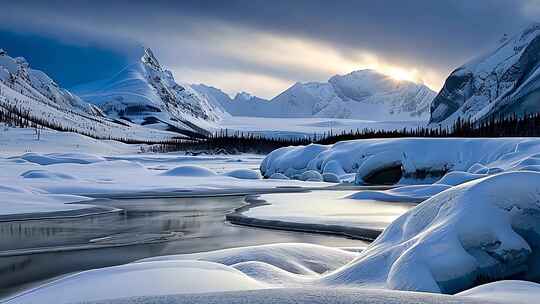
(39, 249)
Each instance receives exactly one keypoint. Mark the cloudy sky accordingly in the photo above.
(259, 46)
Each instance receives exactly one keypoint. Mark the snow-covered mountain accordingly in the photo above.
(32, 96)
(502, 82)
(215, 96)
(146, 93)
(16, 73)
(364, 94)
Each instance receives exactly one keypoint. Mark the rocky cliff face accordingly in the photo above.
(503, 82)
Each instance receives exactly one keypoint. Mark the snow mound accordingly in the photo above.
(61, 158)
(244, 174)
(193, 171)
(140, 279)
(46, 175)
(516, 292)
(304, 259)
(483, 230)
(405, 159)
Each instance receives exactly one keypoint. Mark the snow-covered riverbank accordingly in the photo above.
(478, 223)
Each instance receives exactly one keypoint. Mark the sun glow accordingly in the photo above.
(402, 74)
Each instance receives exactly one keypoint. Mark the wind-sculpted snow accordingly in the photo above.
(483, 230)
(244, 174)
(304, 259)
(140, 279)
(61, 158)
(192, 171)
(424, 159)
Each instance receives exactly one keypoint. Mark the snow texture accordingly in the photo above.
(483, 230)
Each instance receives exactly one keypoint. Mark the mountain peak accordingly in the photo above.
(498, 83)
(243, 96)
(149, 59)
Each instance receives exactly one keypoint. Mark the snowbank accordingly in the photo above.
(483, 230)
(193, 171)
(140, 279)
(305, 259)
(244, 174)
(139, 175)
(61, 158)
(417, 158)
(309, 295)
(516, 292)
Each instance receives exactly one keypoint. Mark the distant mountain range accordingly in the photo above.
(143, 102)
(364, 94)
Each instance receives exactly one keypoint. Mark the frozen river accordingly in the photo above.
(35, 250)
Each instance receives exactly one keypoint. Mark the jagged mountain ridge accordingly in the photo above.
(146, 93)
(503, 82)
(364, 94)
(16, 72)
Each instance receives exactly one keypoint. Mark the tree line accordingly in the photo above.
(527, 125)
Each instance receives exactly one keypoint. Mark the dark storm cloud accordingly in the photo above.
(429, 34)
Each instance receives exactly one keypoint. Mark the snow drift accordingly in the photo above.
(483, 230)
(406, 159)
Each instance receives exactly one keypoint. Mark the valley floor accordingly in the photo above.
(478, 223)
(300, 127)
